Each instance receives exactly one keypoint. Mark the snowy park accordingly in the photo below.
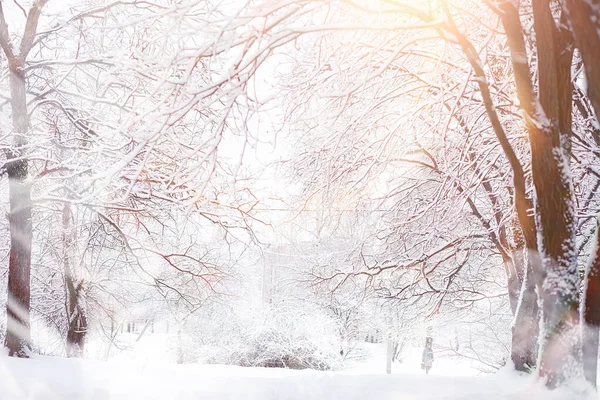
(145, 375)
(299, 199)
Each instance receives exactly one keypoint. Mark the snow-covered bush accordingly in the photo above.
(274, 348)
(261, 337)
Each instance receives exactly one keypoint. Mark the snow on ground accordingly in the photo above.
(148, 378)
(411, 364)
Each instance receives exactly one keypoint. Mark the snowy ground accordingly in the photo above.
(148, 378)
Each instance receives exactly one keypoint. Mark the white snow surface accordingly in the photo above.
(57, 378)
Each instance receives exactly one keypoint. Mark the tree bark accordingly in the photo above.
(18, 335)
(389, 355)
(584, 19)
(591, 315)
(554, 209)
(548, 119)
(525, 335)
(76, 315)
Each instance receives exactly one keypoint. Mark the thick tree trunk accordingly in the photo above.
(591, 315)
(77, 320)
(584, 19)
(560, 288)
(548, 118)
(554, 209)
(18, 335)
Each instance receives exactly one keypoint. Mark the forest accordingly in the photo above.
(295, 184)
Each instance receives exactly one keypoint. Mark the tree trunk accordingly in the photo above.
(591, 315)
(77, 320)
(584, 19)
(180, 352)
(548, 119)
(514, 282)
(526, 319)
(18, 335)
(389, 355)
(554, 209)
